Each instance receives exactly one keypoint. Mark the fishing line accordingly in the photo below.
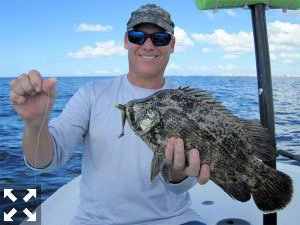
(39, 134)
(38, 140)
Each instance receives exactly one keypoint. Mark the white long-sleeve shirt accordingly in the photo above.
(115, 186)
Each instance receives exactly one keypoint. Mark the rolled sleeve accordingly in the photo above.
(51, 166)
(181, 187)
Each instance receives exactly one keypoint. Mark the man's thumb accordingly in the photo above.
(49, 85)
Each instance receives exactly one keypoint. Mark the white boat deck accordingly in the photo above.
(210, 201)
(224, 207)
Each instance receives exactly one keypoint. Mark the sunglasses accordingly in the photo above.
(158, 39)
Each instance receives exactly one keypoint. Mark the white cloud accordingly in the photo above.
(283, 41)
(234, 42)
(212, 70)
(101, 72)
(290, 55)
(283, 38)
(79, 72)
(106, 48)
(199, 69)
(205, 50)
(284, 35)
(230, 12)
(273, 47)
(115, 71)
(182, 39)
(288, 61)
(228, 67)
(83, 27)
(209, 14)
(231, 56)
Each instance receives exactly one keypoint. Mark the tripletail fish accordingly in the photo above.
(234, 148)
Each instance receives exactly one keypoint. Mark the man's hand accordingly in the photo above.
(175, 160)
(29, 95)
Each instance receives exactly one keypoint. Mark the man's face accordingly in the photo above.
(147, 60)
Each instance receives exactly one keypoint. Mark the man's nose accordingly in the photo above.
(148, 44)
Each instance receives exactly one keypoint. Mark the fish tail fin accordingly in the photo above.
(274, 192)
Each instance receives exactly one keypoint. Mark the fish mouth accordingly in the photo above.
(122, 108)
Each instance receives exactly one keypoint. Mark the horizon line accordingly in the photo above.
(174, 75)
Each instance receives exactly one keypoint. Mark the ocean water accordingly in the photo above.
(239, 94)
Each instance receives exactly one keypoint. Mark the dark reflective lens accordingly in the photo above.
(158, 39)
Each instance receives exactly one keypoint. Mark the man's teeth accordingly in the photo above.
(148, 57)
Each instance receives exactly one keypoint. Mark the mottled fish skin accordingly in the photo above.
(232, 147)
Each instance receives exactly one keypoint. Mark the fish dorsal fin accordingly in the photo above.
(199, 94)
(207, 98)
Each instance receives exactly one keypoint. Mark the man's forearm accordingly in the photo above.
(40, 154)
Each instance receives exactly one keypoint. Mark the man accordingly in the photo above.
(115, 186)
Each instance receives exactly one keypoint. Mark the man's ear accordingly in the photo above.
(173, 42)
(126, 41)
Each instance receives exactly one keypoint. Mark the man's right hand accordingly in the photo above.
(29, 96)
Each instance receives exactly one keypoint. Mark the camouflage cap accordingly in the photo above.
(151, 13)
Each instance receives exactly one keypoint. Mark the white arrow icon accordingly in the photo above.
(8, 216)
(7, 192)
(31, 192)
(31, 216)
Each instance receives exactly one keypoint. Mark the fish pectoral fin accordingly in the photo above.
(156, 165)
(238, 190)
(165, 173)
(123, 117)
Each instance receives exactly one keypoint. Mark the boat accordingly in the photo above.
(209, 201)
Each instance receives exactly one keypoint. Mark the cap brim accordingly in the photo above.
(159, 22)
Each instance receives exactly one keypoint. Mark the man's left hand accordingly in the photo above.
(175, 160)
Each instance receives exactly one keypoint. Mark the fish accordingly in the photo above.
(234, 148)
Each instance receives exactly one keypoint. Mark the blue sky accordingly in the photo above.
(85, 38)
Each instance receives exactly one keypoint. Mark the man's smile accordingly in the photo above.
(148, 57)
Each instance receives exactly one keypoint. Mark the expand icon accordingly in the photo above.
(8, 216)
